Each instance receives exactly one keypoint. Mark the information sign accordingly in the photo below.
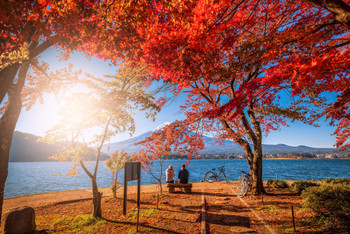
(132, 172)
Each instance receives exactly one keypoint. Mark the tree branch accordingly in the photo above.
(338, 8)
(85, 169)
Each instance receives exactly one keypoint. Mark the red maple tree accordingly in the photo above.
(234, 58)
(175, 137)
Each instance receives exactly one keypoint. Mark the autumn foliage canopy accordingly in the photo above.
(254, 48)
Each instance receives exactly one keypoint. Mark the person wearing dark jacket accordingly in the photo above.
(183, 174)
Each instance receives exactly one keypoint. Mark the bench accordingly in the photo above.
(187, 187)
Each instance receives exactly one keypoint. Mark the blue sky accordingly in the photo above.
(41, 117)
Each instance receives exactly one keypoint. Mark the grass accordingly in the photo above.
(85, 223)
(145, 213)
(271, 209)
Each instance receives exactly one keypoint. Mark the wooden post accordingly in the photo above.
(293, 219)
(276, 177)
(203, 216)
(132, 172)
(138, 195)
(125, 192)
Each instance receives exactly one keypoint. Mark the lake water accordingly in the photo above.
(41, 177)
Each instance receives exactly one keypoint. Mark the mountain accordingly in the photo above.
(211, 146)
(25, 148)
(128, 145)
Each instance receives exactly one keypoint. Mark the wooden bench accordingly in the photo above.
(187, 187)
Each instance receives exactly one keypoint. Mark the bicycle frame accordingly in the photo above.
(213, 174)
(244, 185)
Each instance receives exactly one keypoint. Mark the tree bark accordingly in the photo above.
(7, 76)
(339, 9)
(114, 185)
(258, 187)
(96, 195)
(7, 126)
(96, 199)
(256, 173)
(254, 159)
(160, 186)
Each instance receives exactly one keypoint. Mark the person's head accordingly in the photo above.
(183, 166)
(170, 167)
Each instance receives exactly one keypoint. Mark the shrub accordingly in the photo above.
(277, 183)
(337, 181)
(299, 186)
(331, 205)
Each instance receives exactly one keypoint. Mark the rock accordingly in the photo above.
(19, 220)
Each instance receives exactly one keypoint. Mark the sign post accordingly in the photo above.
(132, 172)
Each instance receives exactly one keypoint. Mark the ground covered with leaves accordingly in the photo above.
(181, 213)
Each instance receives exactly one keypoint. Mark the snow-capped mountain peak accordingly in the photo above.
(161, 126)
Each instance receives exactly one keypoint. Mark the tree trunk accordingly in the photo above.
(255, 167)
(114, 185)
(160, 186)
(7, 126)
(7, 75)
(96, 199)
(256, 173)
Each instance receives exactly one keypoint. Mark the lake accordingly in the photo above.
(42, 177)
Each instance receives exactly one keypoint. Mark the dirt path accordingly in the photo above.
(228, 213)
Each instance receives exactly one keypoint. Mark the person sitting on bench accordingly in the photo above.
(183, 174)
(170, 174)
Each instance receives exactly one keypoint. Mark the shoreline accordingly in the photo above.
(131, 188)
(195, 159)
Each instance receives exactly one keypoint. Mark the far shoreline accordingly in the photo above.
(107, 190)
(186, 159)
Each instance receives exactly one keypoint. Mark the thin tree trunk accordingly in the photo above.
(96, 199)
(96, 196)
(160, 186)
(114, 185)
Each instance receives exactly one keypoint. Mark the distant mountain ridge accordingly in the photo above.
(212, 147)
(25, 148)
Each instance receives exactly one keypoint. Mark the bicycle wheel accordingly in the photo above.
(242, 188)
(209, 177)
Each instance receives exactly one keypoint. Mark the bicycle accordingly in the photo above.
(212, 176)
(244, 185)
